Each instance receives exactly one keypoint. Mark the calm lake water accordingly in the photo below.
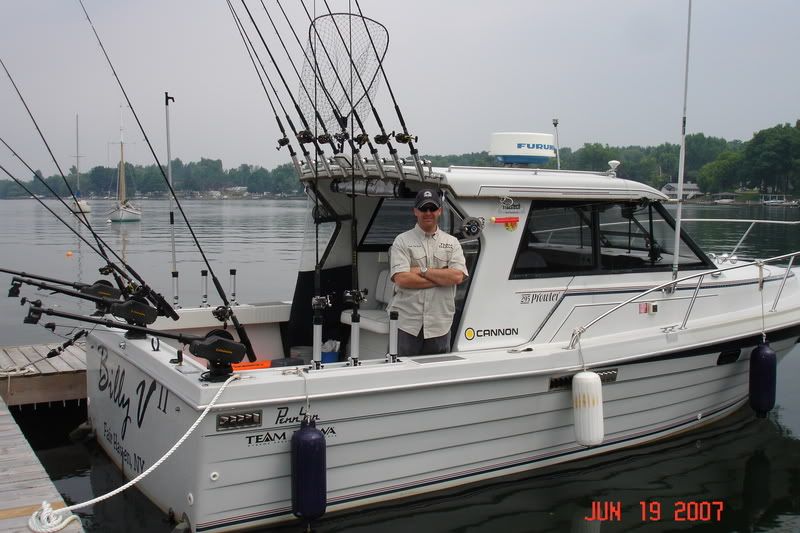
(751, 465)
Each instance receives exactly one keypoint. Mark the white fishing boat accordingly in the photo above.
(79, 204)
(124, 210)
(571, 272)
(589, 322)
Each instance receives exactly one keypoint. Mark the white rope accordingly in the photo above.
(14, 371)
(45, 520)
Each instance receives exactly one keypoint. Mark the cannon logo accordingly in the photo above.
(471, 333)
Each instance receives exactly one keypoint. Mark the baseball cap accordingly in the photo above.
(427, 196)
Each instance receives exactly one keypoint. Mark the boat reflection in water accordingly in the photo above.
(750, 465)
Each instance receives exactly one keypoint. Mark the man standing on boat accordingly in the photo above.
(427, 265)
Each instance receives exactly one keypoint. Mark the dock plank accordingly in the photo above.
(19, 359)
(5, 360)
(73, 361)
(79, 352)
(42, 365)
(51, 380)
(57, 363)
(24, 484)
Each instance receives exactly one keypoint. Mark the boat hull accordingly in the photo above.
(386, 441)
(82, 206)
(125, 214)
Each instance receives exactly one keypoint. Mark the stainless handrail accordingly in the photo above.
(577, 332)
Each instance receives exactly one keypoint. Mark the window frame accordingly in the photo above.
(597, 267)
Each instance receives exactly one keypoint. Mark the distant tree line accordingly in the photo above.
(205, 175)
(769, 162)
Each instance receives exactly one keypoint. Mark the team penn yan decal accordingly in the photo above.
(472, 333)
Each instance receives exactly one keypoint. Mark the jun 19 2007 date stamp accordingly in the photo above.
(655, 511)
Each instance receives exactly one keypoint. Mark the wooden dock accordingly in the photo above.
(49, 380)
(24, 484)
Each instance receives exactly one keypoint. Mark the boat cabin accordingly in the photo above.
(531, 239)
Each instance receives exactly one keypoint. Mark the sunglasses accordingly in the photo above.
(427, 209)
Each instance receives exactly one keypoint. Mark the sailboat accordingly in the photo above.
(124, 210)
(79, 205)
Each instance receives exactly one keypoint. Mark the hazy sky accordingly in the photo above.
(610, 70)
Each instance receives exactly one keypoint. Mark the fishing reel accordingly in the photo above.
(221, 352)
(325, 138)
(283, 141)
(361, 139)
(305, 137)
(355, 296)
(383, 138)
(405, 138)
(341, 137)
(320, 303)
(222, 313)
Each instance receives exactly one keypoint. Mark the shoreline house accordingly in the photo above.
(690, 190)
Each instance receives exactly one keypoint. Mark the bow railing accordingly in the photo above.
(577, 332)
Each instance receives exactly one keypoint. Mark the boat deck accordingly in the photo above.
(56, 379)
(24, 484)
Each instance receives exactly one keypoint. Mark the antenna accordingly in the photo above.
(558, 148)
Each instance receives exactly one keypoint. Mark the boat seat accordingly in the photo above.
(376, 320)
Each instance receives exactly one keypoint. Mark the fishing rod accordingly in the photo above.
(340, 120)
(41, 135)
(405, 137)
(326, 137)
(383, 138)
(363, 137)
(284, 139)
(127, 288)
(229, 313)
(354, 296)
(217, 346)
(100, 288)
(58, 167)
(304, 136)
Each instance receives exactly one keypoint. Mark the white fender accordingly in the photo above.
(587, 407)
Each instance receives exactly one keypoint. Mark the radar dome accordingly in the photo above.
(522, 148)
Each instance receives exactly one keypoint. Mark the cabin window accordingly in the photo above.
(392, 217)
(571, 238)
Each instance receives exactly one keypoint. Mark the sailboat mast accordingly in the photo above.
(77, 160)
(121, 196)
(682, 155)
